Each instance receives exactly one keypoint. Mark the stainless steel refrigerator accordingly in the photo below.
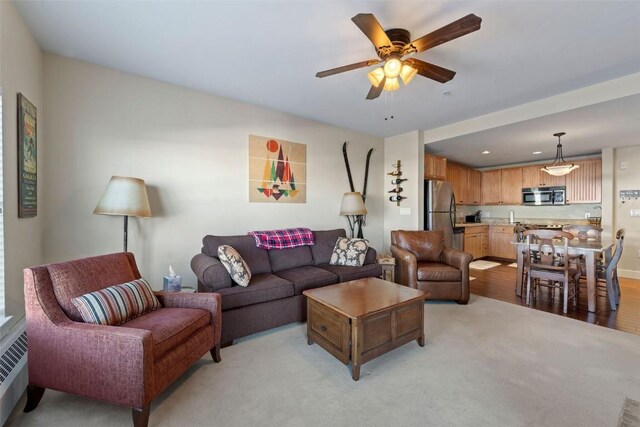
(440, 212)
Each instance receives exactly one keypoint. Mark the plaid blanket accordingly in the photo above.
(283, 239)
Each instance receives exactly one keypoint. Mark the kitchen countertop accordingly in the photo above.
(505, 222)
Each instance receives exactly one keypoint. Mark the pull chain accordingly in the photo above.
(388, 105)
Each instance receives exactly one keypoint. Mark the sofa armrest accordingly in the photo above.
(109, 363)
(370, 256)
(211, 302)
(406, 267)
(461, 261)
(210, 272)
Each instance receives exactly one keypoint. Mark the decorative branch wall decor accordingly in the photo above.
(361, 219)
(397, 174)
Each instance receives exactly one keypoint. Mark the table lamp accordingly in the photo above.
(124, 196)
(353, 208)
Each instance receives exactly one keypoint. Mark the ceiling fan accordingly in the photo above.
(393, 46)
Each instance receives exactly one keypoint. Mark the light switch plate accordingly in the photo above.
(624, 165)
(405, 211)
(635, 212)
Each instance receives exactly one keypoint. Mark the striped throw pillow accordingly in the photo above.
(117, 304)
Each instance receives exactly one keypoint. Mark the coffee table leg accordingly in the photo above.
(356, 348)
(309, 340)
(420, 341)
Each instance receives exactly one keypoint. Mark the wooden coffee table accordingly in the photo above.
(360, 320)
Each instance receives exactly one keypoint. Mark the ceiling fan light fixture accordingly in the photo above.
(391, 84)
(559, 167)
(376, 76)
(407, 73)
(392, 68)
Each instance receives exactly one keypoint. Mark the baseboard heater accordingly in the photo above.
(13, 369)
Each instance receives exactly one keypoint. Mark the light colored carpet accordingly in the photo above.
(483, 265)
(513, 264)
(489, 363)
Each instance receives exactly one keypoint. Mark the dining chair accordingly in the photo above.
(554, 266)
(608, 274)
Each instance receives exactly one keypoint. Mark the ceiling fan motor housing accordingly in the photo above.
(399, 38)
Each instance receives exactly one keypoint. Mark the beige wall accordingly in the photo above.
(628, 179)
(191, 149)
(408, 149)
(21, 68)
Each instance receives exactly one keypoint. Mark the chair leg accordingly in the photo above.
(611, 293)
(215, 353)
(141, 416)
(565, 296)
(34, 394)
(528, 288)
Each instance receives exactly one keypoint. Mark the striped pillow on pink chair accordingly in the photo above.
(117, 304)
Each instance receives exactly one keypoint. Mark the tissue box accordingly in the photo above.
(172, 284)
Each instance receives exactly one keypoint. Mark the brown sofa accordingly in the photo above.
(423, 262)
(274, 295)
(129, 364)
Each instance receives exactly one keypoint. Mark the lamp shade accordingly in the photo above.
(376, 76)
(352, 204)
(407, 73)
(560, 170)
(124, 196)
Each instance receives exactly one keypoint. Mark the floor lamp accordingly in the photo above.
(127, 197)
(353, 208)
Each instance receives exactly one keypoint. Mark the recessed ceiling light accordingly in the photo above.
(486, 152)
(537, 152)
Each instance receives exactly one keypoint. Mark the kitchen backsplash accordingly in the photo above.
(529, 212)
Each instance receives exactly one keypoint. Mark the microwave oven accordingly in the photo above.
(538, 196)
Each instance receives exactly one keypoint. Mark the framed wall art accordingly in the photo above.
(27, 158)
(277, 171)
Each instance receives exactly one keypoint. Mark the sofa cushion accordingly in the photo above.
(234, 264)
(257, 259)
(74, 278)
(425, 245)
(325, 242)
(283, 259)
(263, 287)
(307, 277)
(349, 252)
(117, 304)
(438, 272)
(169, 327)
(370, 258)
(346, 273)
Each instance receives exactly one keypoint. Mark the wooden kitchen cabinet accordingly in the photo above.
(500, 238)
(502, 187)
(435, 167)
(457, 175)
(533, 176)
(584, 185)
(476, 241)
(474, 187)
(466, 184)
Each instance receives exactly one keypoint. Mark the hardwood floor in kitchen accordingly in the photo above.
(499, 283)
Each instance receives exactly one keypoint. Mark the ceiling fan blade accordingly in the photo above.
(371, 28)
(375, 92)
(459, 28)
(350, 67)
(431, 71)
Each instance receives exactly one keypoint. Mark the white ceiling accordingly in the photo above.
(267, 52)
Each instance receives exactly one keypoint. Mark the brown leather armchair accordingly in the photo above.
(423, 262)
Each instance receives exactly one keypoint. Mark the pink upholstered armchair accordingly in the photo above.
(129, 364)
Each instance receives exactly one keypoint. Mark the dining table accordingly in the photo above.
(590, 249)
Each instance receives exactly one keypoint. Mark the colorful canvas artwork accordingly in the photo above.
(277, 171)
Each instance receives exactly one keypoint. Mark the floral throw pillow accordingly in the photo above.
(349, 252)
(235, 265)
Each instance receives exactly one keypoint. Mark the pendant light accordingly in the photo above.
(559, 167)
